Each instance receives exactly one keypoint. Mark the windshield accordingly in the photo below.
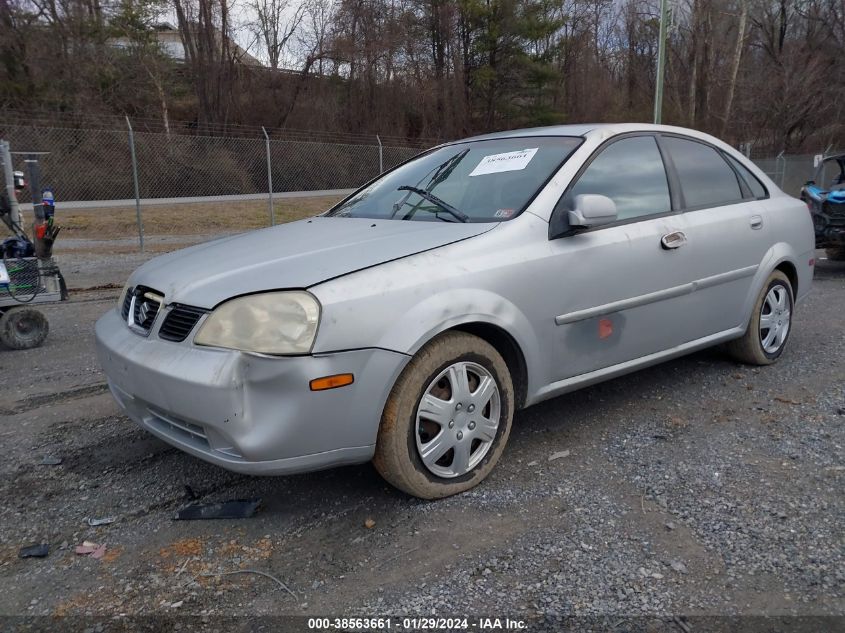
(476, 181)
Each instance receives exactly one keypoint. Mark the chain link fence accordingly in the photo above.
(222, 182)
(96, 165)
(792, 171)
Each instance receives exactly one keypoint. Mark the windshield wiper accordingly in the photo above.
(445, 170)
(448, 208)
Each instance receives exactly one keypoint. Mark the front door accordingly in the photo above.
(620, 286)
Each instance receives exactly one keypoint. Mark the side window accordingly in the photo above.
(706, 179)
(631, 173)
(756, 187)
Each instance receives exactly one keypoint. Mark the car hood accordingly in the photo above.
(295, 255)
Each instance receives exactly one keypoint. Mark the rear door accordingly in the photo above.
(726, 232)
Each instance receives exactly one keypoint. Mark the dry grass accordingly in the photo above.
(185, 219)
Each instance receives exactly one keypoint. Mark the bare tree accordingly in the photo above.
(205, 29)
(735, 64)
(276, 22)
(313, 35)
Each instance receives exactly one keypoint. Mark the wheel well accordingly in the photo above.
(510, 351)
(789, 270)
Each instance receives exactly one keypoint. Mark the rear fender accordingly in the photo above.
(777, 255)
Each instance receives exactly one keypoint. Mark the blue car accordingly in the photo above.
(825, 198)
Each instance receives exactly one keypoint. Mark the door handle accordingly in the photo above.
(756, 222)
(673, 240)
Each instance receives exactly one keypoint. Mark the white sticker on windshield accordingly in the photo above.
(509, 161)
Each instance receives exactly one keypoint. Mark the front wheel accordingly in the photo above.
(767, 333)
(447, 419)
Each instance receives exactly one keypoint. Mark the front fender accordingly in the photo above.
(416, 317)
(451, 308)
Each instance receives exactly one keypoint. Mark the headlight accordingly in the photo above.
(269, 323)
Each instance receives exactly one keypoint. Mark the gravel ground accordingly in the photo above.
(696, 488)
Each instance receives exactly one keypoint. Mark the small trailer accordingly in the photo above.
(28, 274)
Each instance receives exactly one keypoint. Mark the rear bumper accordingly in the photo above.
(246, 412)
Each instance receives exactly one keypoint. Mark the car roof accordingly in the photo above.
(584, 129)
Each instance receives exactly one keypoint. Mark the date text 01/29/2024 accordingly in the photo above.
(415, 624)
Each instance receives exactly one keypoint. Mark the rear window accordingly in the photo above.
(706, 179)
(756, 187)
(485, 181)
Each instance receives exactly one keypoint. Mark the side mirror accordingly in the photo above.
(591, 210)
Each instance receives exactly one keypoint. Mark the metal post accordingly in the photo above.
(269, 177)
(137, 188)
(661, 64)
(380, 156)
(43, 249)
(35, 188)
(781, 167)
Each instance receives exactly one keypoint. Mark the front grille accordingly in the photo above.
(127, 301)
(179, 322)
(142, 309)
(835, 211)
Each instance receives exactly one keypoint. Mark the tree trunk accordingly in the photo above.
(740, 42)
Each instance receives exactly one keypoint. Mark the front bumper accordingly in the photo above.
(246, 412)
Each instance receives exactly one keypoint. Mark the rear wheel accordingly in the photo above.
(771, 322)
(836, 254)
(23, 328)
(447, 419)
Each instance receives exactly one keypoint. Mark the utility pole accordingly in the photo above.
(661, 63)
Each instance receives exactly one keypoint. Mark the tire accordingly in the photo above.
(750, 347)
(836, 254)
(406, 429)
(23, 328)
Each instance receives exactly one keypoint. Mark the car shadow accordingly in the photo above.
(598, 404)
(828, 269)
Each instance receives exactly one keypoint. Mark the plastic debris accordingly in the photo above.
(103, 521)
(369, 524)
(34, 551)
(94, 550)
(558, 455)
(237, 509)
(50, 460)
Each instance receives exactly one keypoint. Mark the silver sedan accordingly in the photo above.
(407, 324)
